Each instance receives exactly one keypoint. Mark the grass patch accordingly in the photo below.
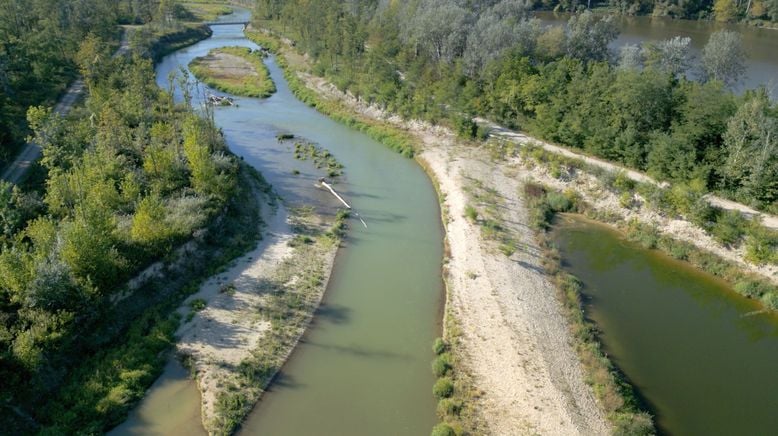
(249, 78)
(486, 211)
(321, 158)
(201, 11)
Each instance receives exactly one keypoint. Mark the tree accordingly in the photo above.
(751, 142)
(725, 10)
(505, 25)
(588, 37)
(671, 55)
(723, 58)
(439, 27)
(630, 57)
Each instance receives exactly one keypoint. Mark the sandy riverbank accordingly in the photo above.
(235, 324)
(516, 344)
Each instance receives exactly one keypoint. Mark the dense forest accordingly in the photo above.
(720, 10)
(649, 107)
(124, 180)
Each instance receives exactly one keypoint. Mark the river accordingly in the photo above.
(364, 364)
(702, 357)
(761, 45)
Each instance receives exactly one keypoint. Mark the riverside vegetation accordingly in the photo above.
(615, 395)
(40, 55)
(684, 198)
(729, 229)
(236, 70)
(129, 177)
(439, 59)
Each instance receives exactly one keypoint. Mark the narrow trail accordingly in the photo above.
(31, 152)
(498, 131)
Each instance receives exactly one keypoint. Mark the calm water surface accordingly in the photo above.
(703, 358)
(363, 367)
(761, 45)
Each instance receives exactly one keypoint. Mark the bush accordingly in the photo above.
(622, 182)
(443, 429)
(441, 365)
(558, 202)
(471, 213)
(466, 127)
(449, 407)
(770, 300)
(439, 346)
(443, 388)
(729, 228)
(761, 245)
(633, 424)
(645, 235)
(751, 288)
(197, 304)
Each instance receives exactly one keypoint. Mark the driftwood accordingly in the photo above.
(328, 186)
(220, 100)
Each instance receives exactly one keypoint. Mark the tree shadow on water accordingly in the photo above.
(335, 314)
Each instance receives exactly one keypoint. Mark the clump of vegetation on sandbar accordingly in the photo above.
(322, 159)
(237, 70)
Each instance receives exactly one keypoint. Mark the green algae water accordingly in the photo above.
(704, 359)
(364, 365)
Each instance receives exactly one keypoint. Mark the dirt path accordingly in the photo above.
(17, 169)
(770, 221)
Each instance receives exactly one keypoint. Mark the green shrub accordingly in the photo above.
(633, 424)
(439, 346)
(645, 235)
(626, 200)
(751, 288)
(508, 247)
(471, 213)
(623, 183)
(465, 127)
(197, 304)
(441, 365)
(770, 300)
(761, 245)
(443, 429)
(443, 388)
(449, 407)
(558, 202)
(729, 227)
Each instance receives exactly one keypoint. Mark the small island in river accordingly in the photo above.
(237, 70)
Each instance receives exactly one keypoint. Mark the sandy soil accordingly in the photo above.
(220, 336)
(228, 67)
(516, 341)
(517, 347)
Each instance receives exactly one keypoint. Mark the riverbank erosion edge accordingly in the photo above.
(442, 155)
